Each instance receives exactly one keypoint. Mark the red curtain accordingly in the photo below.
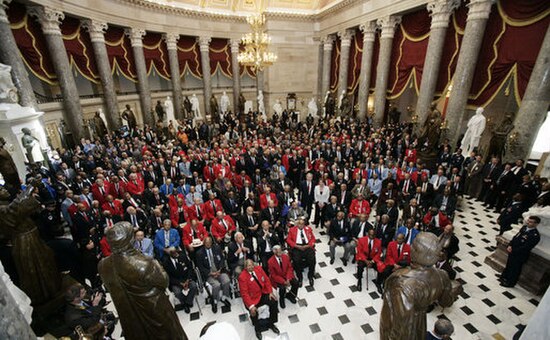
(156, 54)
(335, 64)
(79, 48)
(410, 44)
(220, 56)
(188, 56)
(119, 51)
(355, 55)
(30, 41)
(510, 47)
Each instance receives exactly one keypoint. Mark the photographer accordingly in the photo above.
(87, 314)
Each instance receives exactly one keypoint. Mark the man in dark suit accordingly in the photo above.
(307, 193)
(157, 200)
(273, 215)
(344, 196)
(443, 329)
(266, 241)
(407, 188)
(510, 214)
(359, 229)
(340, 235)
(82, 223)
(238, 251)
(490, 174)
(87, 315)
(249, 224)
(180, 275)
(385, 231)
(211, 264)
(137, 218)
(518, 250)
(331, 209)
(424, 192)
(413, 211)
(446, 203)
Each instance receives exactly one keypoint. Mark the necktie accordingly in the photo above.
(211, 261)
(280, 262)
(134, 220)
(250, 220)
(303, 236)
(224, 224)
(159, 222)
(437, 182)
(199, 215)
(109, 222)
(399, 251)
(85, 217)
(370, 247)
(140, 245)
(308, 187)
(256, 279)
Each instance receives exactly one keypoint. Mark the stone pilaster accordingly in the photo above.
(328, 43)
(49, 20)
(534, 106)
(136, 36)
(9, 54)
(478, 13)
(204, 45)
(319, 69)
(171, 44)
(440, 11)
(97, 30)
(345, 38)
(369, 31)
(235, 69)
(387, 25)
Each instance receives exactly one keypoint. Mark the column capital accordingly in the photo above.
(368, 30)
(235, 44)
(204, 43)
(96, 29)
(49, 19)
(440, 10)
(479, 9)
(327, 42)
(3, 6)
(346, 36)
(171, 39)
(387, 25)
(136, 36)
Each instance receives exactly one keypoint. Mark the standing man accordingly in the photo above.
(518, 250)
(256, 291)
(282, 276)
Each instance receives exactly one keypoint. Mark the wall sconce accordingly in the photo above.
(444, 125)
(513, 141)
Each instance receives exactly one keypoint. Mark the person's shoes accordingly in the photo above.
(179, 307)
(226, 303)
(259, 335)
(282, 303)
(214, 308)
(275, 330)
(311, 282)
(359, 287)
(186, 309)
(498, 275)
(331, 261)
(379, 288)
(291, 298)
(344, 261)
(506, 284)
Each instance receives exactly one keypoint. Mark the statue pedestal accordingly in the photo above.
(535, 275)
(14, 117)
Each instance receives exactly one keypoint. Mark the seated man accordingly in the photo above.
(180, 274)
(194, 234)
(340, 235)
(301, 241)
(369, 249)
(446, 203)
(87, 315)
(256, 291)
(143, 244)
(398, 256)
(359, 206)
(434, 221)
(448, 241)
(409, 230)
(166, 238)
(238, 251)
(210, 261)
(267, 240)
(222, 228)
(359, 228)
(282, 276)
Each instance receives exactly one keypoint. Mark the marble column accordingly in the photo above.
(534, 105)
(9, 54)
(235, 69)
(440, 11)
(369, 30)
(136, 36)
(345, 38)
(319, 69)
(204, 45)
(97, 30)
(327, 42)
(50, 19)
(171, 44)
(478, 13)
(387, 25)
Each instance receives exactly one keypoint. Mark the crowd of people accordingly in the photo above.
(209, 201)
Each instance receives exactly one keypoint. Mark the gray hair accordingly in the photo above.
(277, 247)
(444, 328)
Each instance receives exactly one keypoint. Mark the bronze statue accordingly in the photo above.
(9, 170)
(431, 130)
(34, 260)
(29, 142)
(138, 288)
(329, 105)
(129, 116)
(100, 127)
(345, 106)
(498, 140)
(410, 291)
(214, 109)
(242, 100)
(187, 107)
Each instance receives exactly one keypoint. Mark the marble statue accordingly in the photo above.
(261, 107)
(8, 170)
(498, 139)
(34, 260)
(187, 106)
(278, 108)
(100, 126)
(169, 109)
(476, 126)
(8, 91)
(137, 285)
(312, 108)
(224, 103)
(130, 118)
(341, 98)
(195, 107)
(409, 292)
(242, 101)
(545, 172)
(29, 143)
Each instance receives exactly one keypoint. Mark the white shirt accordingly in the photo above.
(299, 239)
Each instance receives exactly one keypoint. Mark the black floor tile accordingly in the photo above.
(337, 336)
(349, 303)
(367, 328)
(493, 319)
(339, 270)
(243, 317)
(334, 282)
(484, 288)
(467, 310)
(509, 295)
(343, 319)
(329, 295)
(293, 318)
(226, 309)
(194, 316)
(488, 302)
(370, 310)
(322, 310)
(314, 328)
(470, 328)
(515, 310)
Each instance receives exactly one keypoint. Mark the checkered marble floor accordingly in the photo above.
(334, 309)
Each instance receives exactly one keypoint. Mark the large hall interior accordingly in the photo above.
(274, 169)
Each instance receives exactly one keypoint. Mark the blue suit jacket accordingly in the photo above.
(146, 246)
(175, 241)
(403, 230)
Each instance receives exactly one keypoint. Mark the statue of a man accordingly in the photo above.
(498, 139)
(242, 101)
(8, 91)
(34, 260)
(9, 170)
(29, 142)
(329, 105)
(195, 107)
(312, 108)
(99, 123)
(476, 126)
(224, 103)
(278, 108)
(345, 105)
(129, 117)
(214, 108)
(261, 106)
(169, 109)
(187, 106)
(409, 292)
(432, 129)
(138, 285)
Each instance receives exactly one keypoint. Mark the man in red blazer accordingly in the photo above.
(117, 187)
(135, 185)
(222, 226)
(266, 197)
(359, 206)
(369, 249)
(191, 231)
(112, 205)
(211, 207)
(398, 255)
(301, 241)
(100, 190)
(282, 276)
(435, 221)
(256, 291)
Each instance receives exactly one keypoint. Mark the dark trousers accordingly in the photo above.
(185, 299)
(293, 289)
(384, 275)
(513, 267)
(361, 267)
(259, 326)
(264, 257)
(302, 259)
